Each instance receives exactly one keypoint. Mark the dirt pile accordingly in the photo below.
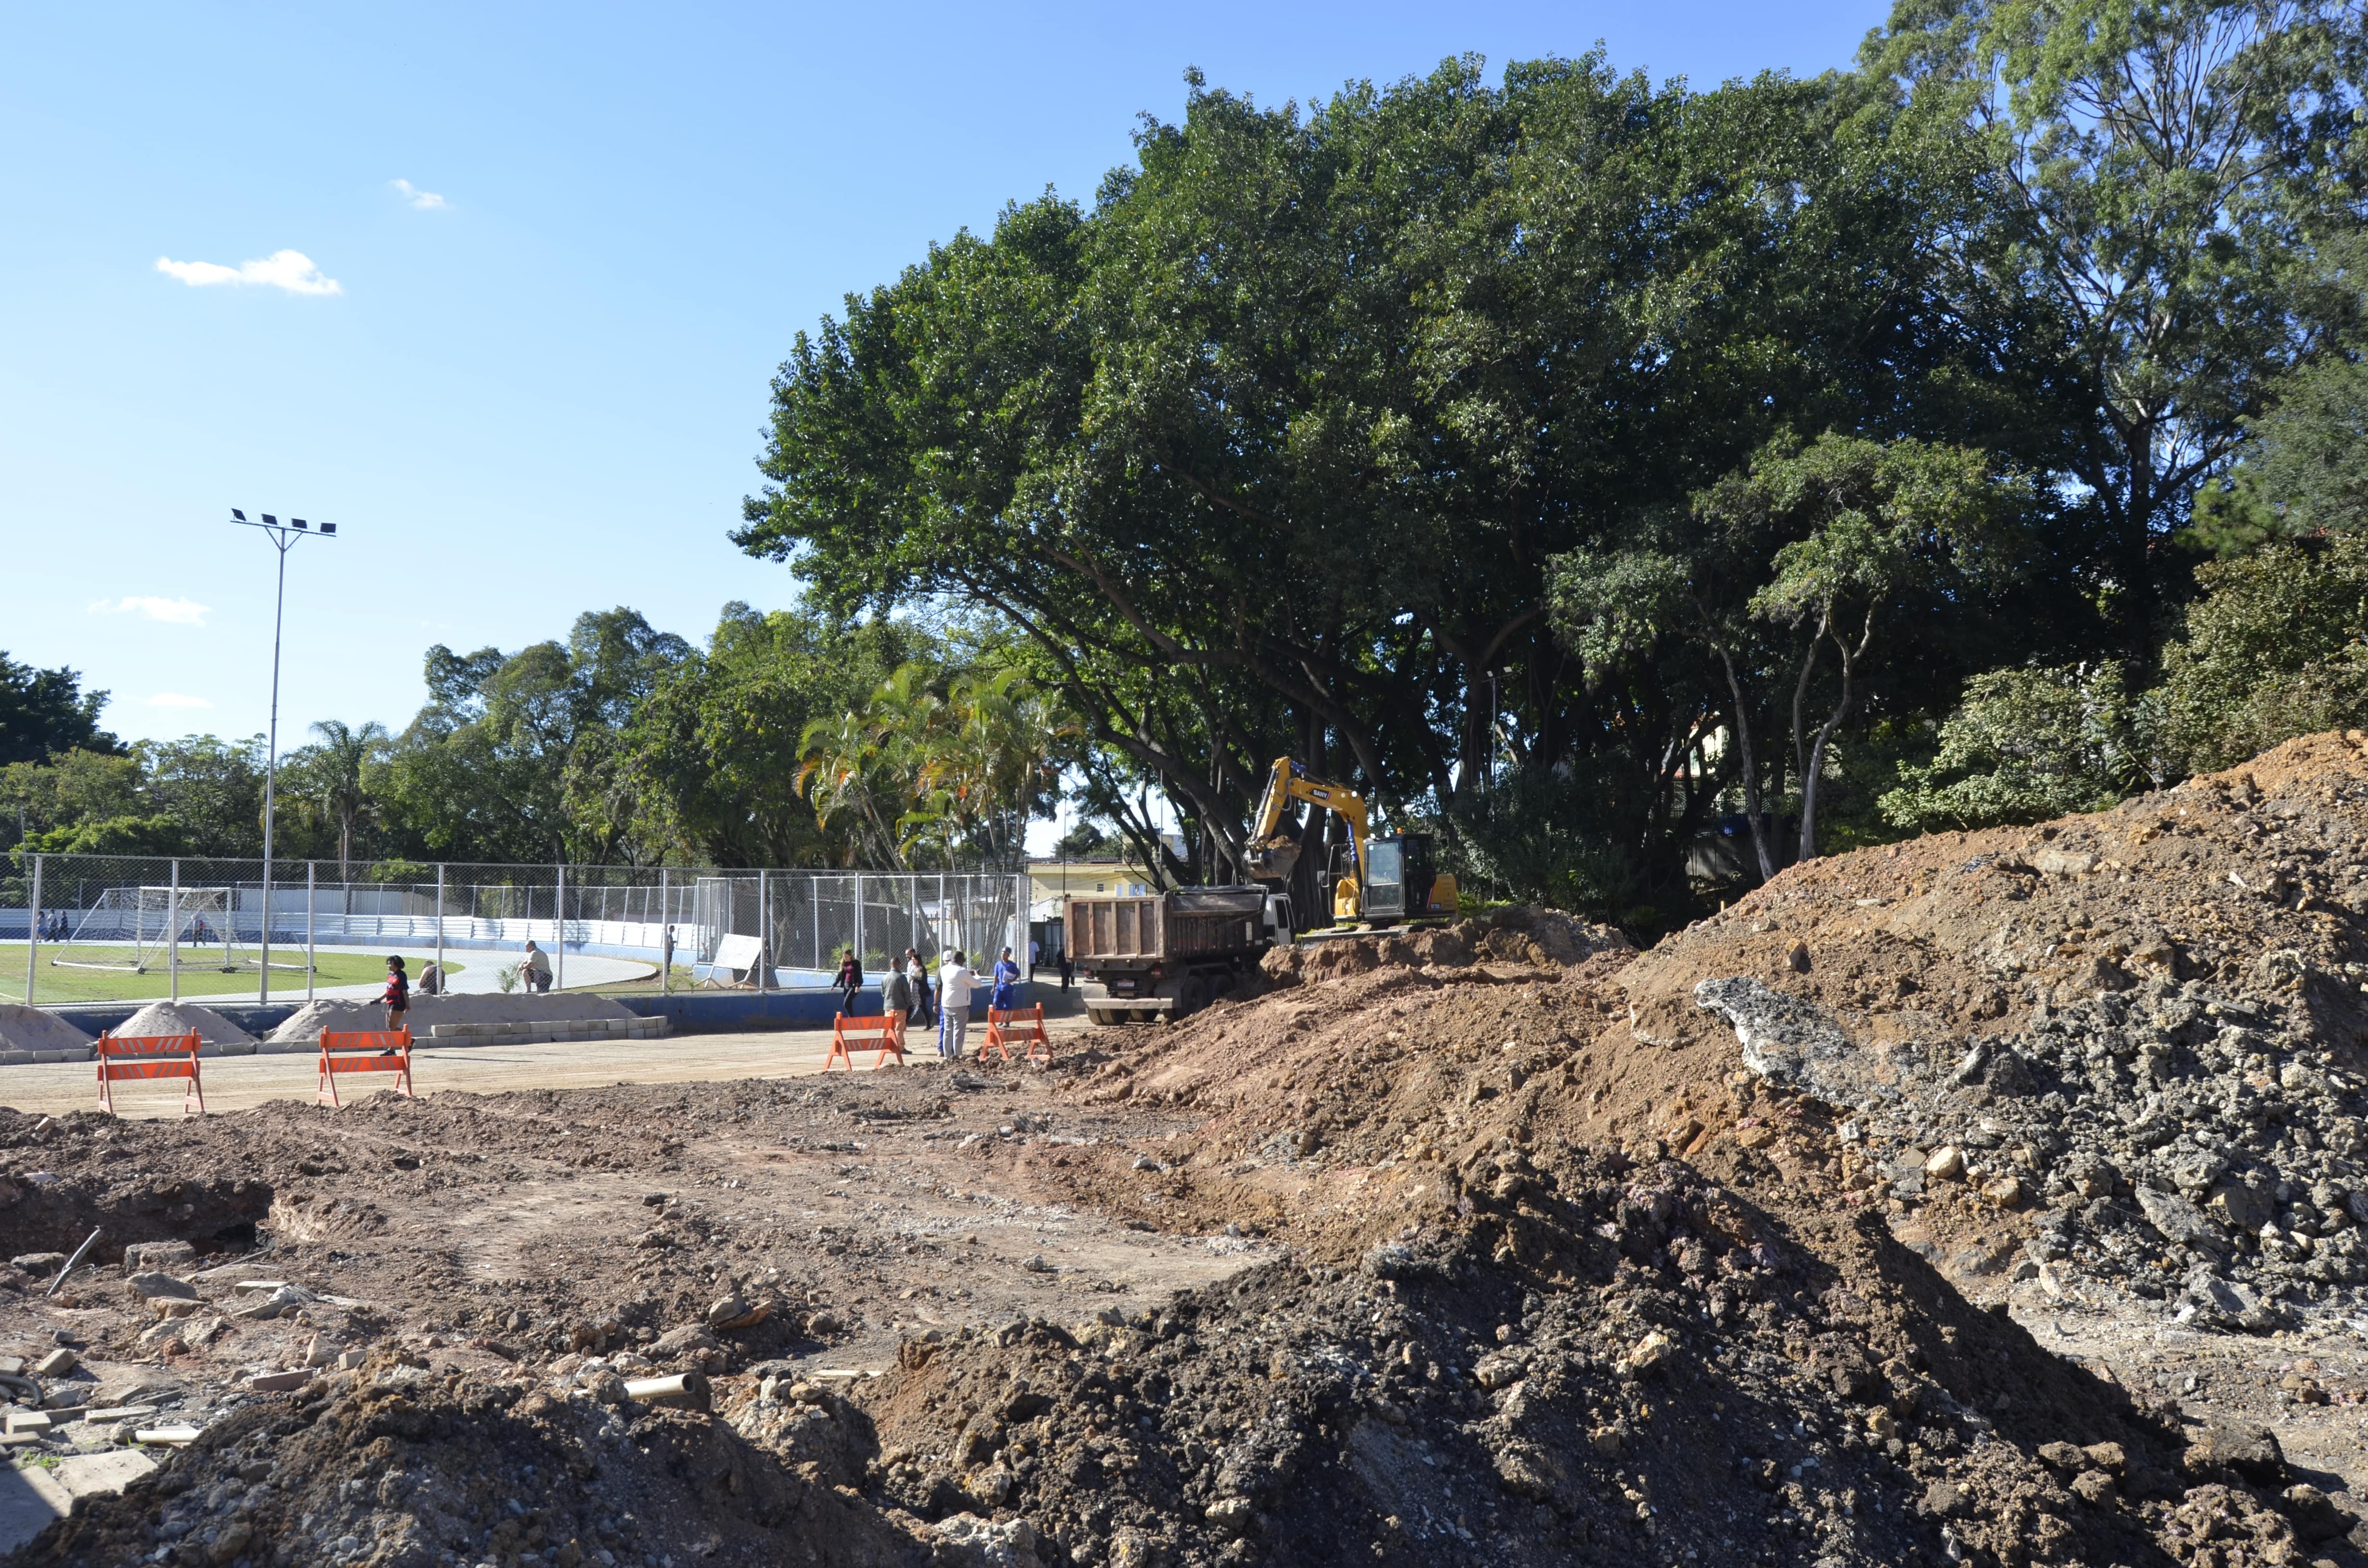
(33, 1028)
(184, 1017)
(402, 1465)
(2119, 1053)
(307, 1022)
(1523, 934)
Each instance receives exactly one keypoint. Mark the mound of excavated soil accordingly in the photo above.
(1469, 1341)
(1522, 934)
(556, 1007)
(30, 1028)
(2121, 1053)
(182, 1018)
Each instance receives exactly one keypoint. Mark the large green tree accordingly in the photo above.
(1268, 451)
(2163, 171)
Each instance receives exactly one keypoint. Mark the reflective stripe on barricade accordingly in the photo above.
(126, 1057)
(364, 1050)
(885, 1030)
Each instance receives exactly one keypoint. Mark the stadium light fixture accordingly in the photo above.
(281, 538)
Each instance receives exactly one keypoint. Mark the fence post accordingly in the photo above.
(665, 936)
(764, 933)
(1020, 889)
(814, 914)
(942, 913)
(32, 930)
(439, 923)
(559, 928)
(172, 934)
(309, 962)
(263, 974)
(859, 919)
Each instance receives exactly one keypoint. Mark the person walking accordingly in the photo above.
(396, 997)
(851, 980)
(917, 973)
(954, 980)
(1006, 977)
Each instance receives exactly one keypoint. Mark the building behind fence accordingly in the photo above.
(805, 919)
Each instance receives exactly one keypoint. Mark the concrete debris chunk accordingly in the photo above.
(57, 1363)
(152, 1284)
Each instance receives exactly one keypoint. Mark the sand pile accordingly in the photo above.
(30, 1028)
(181, 1018)
(557, 1007)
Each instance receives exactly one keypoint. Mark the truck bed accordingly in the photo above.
(1190, 922)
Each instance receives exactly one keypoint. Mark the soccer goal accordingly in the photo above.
(146, 923)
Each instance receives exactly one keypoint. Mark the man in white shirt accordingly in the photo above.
(954, 980)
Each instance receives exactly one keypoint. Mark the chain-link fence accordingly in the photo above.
(136, 913)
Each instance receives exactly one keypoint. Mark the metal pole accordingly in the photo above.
(764, 933)
(666, 934)
(439, 924)
(559, 928)
(272, 768)
(32, 932)
(172, 934)
(859, 919)
(308, 931)
(813, 916)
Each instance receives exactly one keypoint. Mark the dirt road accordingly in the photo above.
(237, 1083)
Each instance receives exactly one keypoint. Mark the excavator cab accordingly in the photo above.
(1400, 881)
(1403, 881)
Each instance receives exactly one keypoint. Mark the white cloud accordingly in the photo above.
(426, 200)
(175, 612)
(175, 700)
(289, 269)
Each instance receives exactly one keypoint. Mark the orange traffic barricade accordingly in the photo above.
(364, 1050)
(122, 1057)
(849, 1032)
(1007, 1026)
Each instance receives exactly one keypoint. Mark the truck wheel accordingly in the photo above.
(1192, 997)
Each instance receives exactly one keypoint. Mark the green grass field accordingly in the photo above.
(62, 982)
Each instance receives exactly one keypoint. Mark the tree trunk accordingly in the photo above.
(1741, 721)
(1813, 768)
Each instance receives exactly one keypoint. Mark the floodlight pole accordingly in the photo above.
(282, 536)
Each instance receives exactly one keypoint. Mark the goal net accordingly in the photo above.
(146, 924)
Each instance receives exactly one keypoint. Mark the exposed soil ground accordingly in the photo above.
(1492, 1243)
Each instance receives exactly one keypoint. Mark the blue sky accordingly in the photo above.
(544, 262)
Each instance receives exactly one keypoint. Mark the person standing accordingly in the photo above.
(954, 980)
(917, 973)
(851, 980)
(1067, 969)
(1005, 976)
(895, 994)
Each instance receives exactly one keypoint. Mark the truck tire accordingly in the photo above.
(1190, 996)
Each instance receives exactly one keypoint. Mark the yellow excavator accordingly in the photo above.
(1378, 880)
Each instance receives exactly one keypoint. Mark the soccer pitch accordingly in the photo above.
(60, 980)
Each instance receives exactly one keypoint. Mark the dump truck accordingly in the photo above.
(1152, 956)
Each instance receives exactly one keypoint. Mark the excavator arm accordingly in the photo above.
(1273, 853)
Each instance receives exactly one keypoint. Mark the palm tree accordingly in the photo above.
(344, 752)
